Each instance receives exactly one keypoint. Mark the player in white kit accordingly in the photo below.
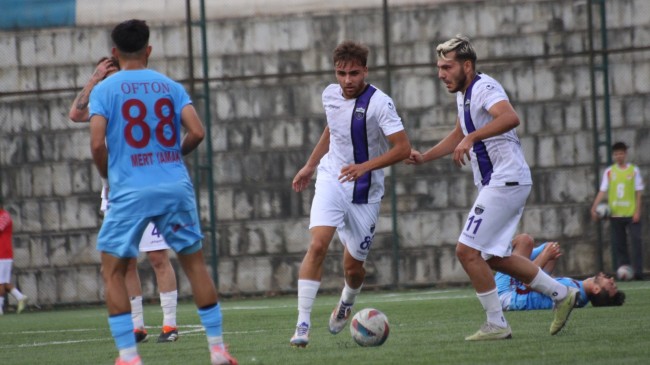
(485, 135)
(350, 155)
(152, 243)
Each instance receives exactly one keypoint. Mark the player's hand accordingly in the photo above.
(594, 215)
(352, 172)
(415, 158)
(302, 179)
(462, 150)
(552, 251)
(103, 69)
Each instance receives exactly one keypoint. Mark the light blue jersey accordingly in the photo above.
(524, 298)
(147, 175)
(148, 181)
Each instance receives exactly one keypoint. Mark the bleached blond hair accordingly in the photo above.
(461, 44)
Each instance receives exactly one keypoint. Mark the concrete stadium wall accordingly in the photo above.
(267, 74)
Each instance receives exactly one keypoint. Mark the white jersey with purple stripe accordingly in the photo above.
(498, 160)
(349, 137)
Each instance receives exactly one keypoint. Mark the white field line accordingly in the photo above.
(192, 330)
(195, 330)
(382, 298)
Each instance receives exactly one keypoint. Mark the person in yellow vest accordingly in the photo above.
(623, 185)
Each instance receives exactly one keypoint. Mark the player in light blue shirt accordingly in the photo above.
(136, 121)
(600, 289)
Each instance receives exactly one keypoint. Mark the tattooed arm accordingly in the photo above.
(79, 109)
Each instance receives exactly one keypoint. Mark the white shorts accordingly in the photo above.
(355, 223)
(152, 240)
(493, 219)
(5, 271)
(104, 195)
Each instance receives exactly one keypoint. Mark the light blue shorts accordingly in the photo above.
(121, 236)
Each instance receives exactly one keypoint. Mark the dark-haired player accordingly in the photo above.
(599, 289)
(152, 242)
(350, 156)
(136, 117)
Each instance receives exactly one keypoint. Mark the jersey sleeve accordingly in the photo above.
(182, 97)
(604, 184)
(323, 96)
(388, 119)
(489, 93)
(638, 180)
(97, 103)
(5, 220)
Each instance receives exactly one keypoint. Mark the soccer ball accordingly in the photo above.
(369, 327)
(602, 210)
(625, 273)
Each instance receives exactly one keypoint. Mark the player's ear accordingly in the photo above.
(467, 66)
(148, 50)
(596, 289)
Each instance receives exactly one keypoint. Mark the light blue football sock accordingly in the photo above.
(122, 330)
(211, 320)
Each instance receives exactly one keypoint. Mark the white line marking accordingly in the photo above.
(193, 330)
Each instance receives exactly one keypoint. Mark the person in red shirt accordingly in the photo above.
(6, 262)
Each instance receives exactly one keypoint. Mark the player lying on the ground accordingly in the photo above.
(600, 289)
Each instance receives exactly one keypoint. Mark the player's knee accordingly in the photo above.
(158, 260)
(523, 241)
(317, 250)
(466, 253)
(355, 272)
(132, 265)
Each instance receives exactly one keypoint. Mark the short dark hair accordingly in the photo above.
(131, 36)
(619, 146)
(602, 299)
(351, 51)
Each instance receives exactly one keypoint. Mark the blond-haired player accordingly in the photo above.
(485, 134)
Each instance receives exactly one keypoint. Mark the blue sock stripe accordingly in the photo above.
(122, 330)
(211, 320)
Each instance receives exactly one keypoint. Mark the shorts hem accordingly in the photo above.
(483, 250)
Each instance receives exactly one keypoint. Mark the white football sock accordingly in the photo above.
(349, 295)
(307, 290)
(129, 354)
(136, 312)
(215, 341)
(17, 294)
(492, 305)
(546, 285)
(2, 304)
(168, 302)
